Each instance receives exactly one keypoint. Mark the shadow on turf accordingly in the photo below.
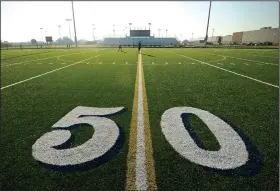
(97, 161)
(148, 55)
(252, 166)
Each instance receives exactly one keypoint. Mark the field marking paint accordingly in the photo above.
(220, 63)
(231, 71)
(140, 164)
(88, 63)
(43, 58)
(113, 62)
(153, 63)
(126, 62)
(179, 62)
(246, 64)
(50, 63)
(62, 63)
(232, 63)
(248, 60)
(100, 63)
(224, 58)
(51, 71)
(166, 63)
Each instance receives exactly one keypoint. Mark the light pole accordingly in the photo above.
(149, 26)
(93, 32)
(114, 30)
(206, 36)
(192, 37)
(158, 32)
(213, 34)
(166, 32)
(130, 26)
(59, 31)
(42, 33)
(69, 27)
(74, 25)
(125, 31)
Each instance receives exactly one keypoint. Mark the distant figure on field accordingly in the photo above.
(120, 47)
(139, 47)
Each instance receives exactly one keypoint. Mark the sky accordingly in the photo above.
(21, 20)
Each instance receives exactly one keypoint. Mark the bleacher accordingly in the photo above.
(146, 41)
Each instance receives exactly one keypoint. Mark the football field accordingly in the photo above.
(165, 119)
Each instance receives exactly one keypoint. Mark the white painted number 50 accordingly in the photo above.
(106, 133)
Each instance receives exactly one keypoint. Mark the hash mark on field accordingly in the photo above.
(246, 64)
(50, 63)
(179, 62)
(113, 62)
(153, 63)
(62, 63)
(220, 63)
(232, 63)
(88, 62)
(166, 63)
(192, 63)
(126, 62)
(100, 63)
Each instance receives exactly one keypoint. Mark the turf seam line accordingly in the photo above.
(50, 71)
(231, 71)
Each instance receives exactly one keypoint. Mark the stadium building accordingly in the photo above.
(141, 35)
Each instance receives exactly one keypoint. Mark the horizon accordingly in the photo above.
(225, 18)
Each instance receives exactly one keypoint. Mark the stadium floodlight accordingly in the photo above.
(69, 20)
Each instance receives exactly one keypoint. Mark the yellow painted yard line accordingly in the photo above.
(140, 162)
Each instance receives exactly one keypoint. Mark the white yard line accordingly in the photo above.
(231, 72)
(141, 173)
(50, 71)
(247, 59)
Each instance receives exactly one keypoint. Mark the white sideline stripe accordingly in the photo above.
(231, 71)
(141, 174)
(113, 62)
(50, 71)
(248, 60)
(166, 63)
